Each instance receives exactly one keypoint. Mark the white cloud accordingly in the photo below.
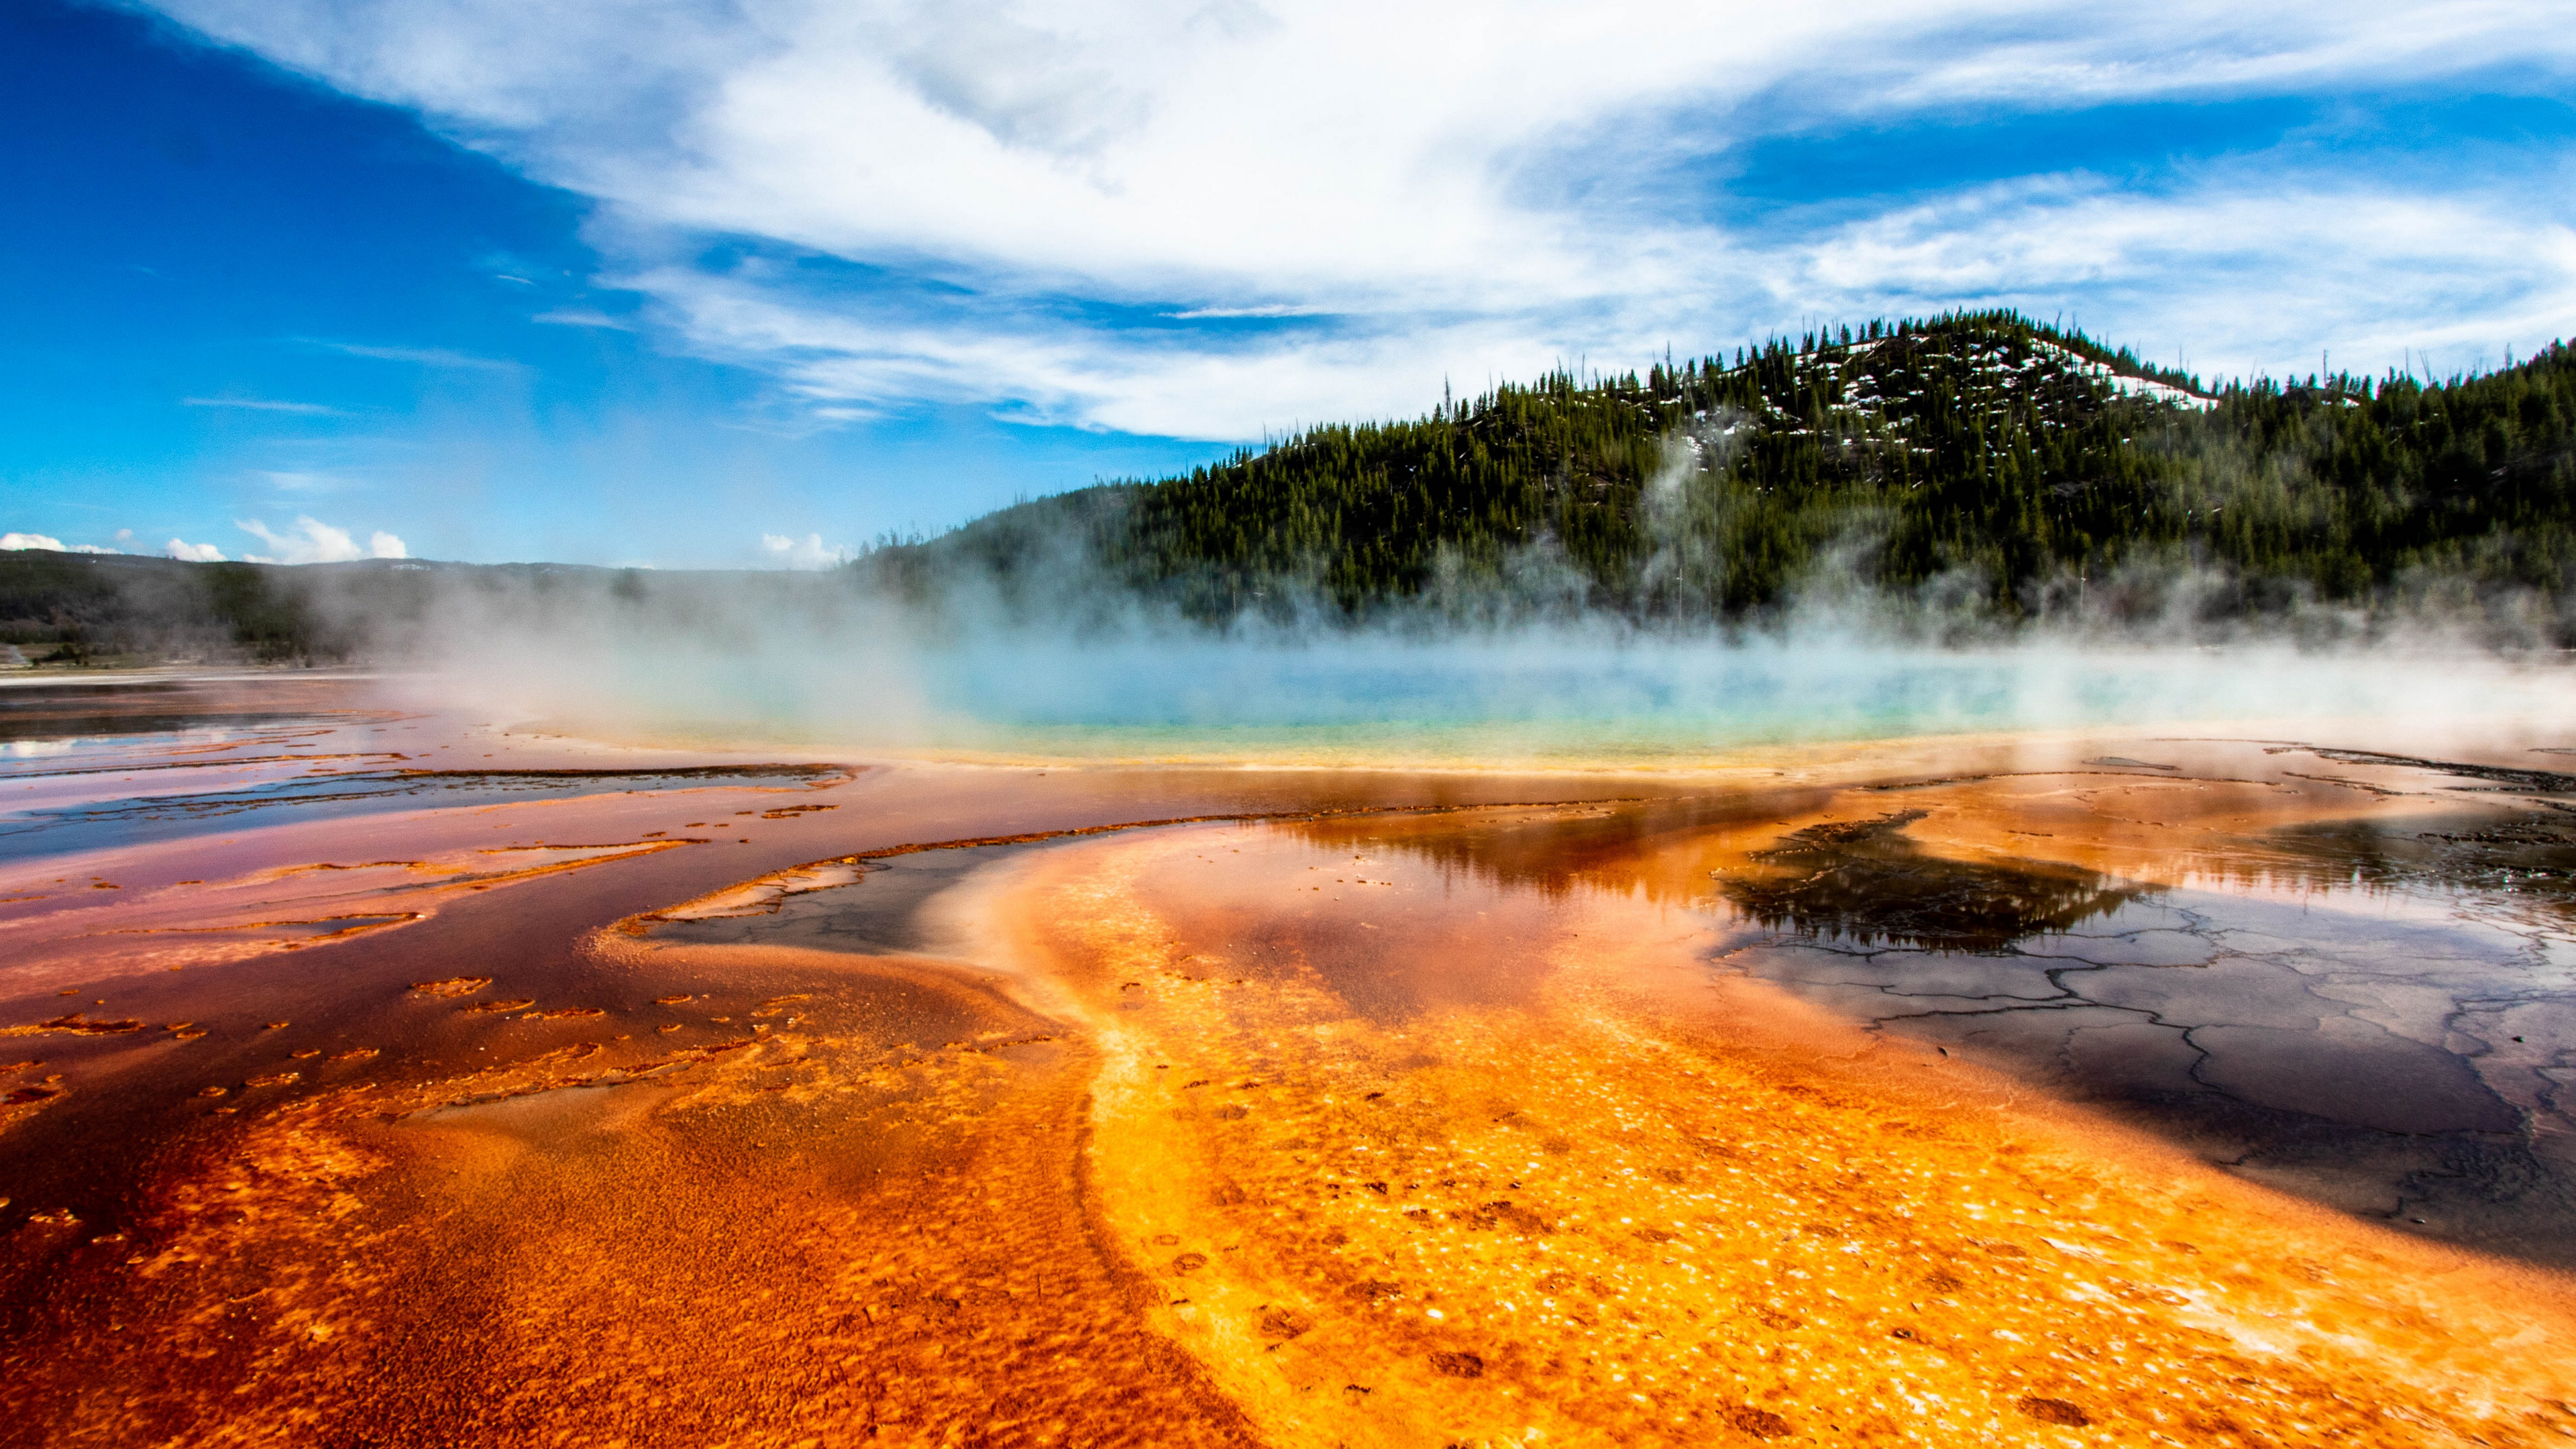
(582, 317)
(801, 553)
(262, 405)
(424, 356)
(2278, 271)
(1130, 383)
(313, 541)
(50, 544)
(1330, 203)
(187, 552)
(297, 482)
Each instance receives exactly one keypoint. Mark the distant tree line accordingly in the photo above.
(76, 608)
(62, 608)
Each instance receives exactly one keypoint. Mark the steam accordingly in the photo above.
(1013, 640)
(1504, 672)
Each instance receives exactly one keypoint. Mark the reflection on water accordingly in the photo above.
(109, 703)
(2399, 1063)
(2531, 860)
(335, 794)
(1866, 882)
(2368, 1015)
(2377, 1011)
(31, 737)
(1565, 1191)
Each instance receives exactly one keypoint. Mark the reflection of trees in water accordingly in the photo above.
(2534, 857)
(1865, 880)
(1554, 851)
(1862, 880)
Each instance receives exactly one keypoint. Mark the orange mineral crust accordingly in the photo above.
(1510, 1172)
(372, 1077)
(839, 1232)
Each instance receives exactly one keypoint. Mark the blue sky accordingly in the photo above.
(712, 284)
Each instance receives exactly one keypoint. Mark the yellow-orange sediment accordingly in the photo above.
(1397, 1130)
(1632, 1205)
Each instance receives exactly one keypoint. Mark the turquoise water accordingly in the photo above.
(1551, 698)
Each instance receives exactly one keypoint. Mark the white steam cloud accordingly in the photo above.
(1069, 668)
(856, 677)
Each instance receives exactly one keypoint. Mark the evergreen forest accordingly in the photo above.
(2015, 466)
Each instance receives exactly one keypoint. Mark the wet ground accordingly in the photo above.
(2041, 1090)
(2377, 1013)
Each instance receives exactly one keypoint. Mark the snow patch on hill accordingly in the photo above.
(2124, 383)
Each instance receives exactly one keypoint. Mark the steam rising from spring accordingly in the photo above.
(821, 662)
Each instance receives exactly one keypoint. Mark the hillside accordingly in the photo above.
(61, 608)
(1994, 455)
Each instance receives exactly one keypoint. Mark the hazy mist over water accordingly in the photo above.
(1066, 666)
(1564, 695)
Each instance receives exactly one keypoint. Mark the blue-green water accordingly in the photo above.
(1536, 699)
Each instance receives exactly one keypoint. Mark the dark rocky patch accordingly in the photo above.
(1760, 1423)
(2055, 1411)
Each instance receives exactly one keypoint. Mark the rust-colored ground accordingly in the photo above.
(1398, 1111)
(1558, 1186)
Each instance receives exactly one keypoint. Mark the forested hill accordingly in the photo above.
(2008, 460)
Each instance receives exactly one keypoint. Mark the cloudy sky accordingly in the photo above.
(757, 280)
